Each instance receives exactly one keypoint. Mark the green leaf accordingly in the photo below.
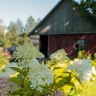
(68, 78)
(16, 69)
(63, 81)
(16, 80)
(20, 76)
(25, 91)
(78, 80)
(60, 77)
(45, 91)
(26, 83)
(57, 68)
(25, 73)
(71, 84)
(67, 72)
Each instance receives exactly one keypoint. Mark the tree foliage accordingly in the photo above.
(11, 28)
(2, 32)
(19, 26)
(16, 32)
(2, 27)
(16, 27)
(86, 7)
(30, 24)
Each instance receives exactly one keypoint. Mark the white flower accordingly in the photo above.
(39, 75)
(83, 68)
(32, 63)
(25, 53)
(39, 88)
(59, 55)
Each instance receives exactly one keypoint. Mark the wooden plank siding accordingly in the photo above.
(35, 40)
(94, 43)
(67, 42)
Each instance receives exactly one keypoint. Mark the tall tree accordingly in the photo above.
(30, 24)
(2, 32)
(19, 26)
(12, 35)
(11, 28)
(2, 28)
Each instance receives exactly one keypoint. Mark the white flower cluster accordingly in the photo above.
(26, 52)
(39, 75)
(59, 55)
(83, 68)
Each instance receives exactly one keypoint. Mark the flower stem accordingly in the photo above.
(33, 92)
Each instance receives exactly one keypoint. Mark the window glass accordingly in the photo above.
(80, 45)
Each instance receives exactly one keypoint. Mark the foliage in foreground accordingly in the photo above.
(57, 77)
(76, 77)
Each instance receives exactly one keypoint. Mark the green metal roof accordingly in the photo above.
(88, 16)
(55, 7)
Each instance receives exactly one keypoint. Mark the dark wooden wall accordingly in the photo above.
(68, 43)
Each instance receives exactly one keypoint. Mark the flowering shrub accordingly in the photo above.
(76, 82)
(58, 63)
(4, 58)
(25, 53)
(60, 76)
(26, 74)
(83, 68)
(60, 55)
(39, 75)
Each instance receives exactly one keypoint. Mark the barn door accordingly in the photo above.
(44, 44)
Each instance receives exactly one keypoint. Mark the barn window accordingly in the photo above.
(80, 45)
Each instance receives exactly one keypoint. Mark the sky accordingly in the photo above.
(11, 10)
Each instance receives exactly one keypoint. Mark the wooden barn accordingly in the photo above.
(63, 27)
